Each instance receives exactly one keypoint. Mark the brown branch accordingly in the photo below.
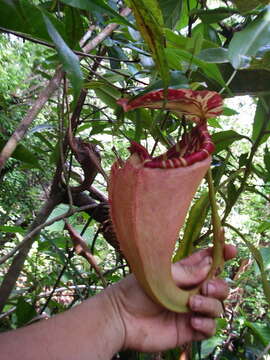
(19, 133)
(36, 230)
(47, 92)
(18, 261)
(104, 33)
(56, 195)
(81, 249)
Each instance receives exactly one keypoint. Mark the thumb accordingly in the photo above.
(186, 275)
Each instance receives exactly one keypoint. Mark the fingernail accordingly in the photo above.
(196, 302)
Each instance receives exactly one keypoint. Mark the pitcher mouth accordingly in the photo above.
(195, 146)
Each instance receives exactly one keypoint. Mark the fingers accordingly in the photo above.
(187, 275)
(205, 327)
(215, 288)
(192, 270)
(205, 306)
(230, 252)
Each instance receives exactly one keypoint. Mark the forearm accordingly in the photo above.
(88, 331)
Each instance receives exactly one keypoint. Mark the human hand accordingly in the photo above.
(149, 327)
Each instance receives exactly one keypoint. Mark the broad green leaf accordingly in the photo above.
(176, 57)
(261, 119)
(186, 8)
(98, 6)
(43, 139)
(193, 227)
(267, 159)
(224, 139)
(99, 127)
(214, 123)
(229, 112)
(262, 331)
(12, 229)
(24, 312)
(171, 10)
(209, 33)
(247, 42)
(247, 5)
(211, 16)
(209, 345)
(151, 26)
(105, 97)
(69, 60)
(265, 253)
(177, 81)
(23, 154)
(74, 26)
(259, 261)
(29, 19)
(214, 55)
(104, 86)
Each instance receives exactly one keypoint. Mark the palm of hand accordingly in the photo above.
(149, 327)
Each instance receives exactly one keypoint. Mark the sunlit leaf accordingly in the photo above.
(69, 60)
(224, 139)
(247, 42)
(151, 26)
(171, 10)
(261, 120)
(96, 5)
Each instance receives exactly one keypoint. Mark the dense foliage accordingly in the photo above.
(63, 66)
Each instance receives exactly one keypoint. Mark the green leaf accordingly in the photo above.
(29, 19)
(98, 6)
(24, 312)
(74, 27)
(261, 117)
(214, 123)
(209, 345)
(267, 159)
(247, 42)
(224, 139)
(259, 261)
(176, 57)
(151, 26)
(177, 81)
(171, 10)
(105, 86)
(262, 331)
(12, 229)
(69, 60)
(229, 112)
(23, 154)
(193, 227)
(265, 225)
(106, 98)
(247, 5)
(231, 192)
(211, 16)
(214, 55)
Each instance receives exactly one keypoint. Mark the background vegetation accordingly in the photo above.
(63, 65)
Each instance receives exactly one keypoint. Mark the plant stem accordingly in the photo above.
(218, 231)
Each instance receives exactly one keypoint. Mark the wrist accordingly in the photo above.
(115, 329)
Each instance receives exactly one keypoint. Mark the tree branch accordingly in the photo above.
(19, 133)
